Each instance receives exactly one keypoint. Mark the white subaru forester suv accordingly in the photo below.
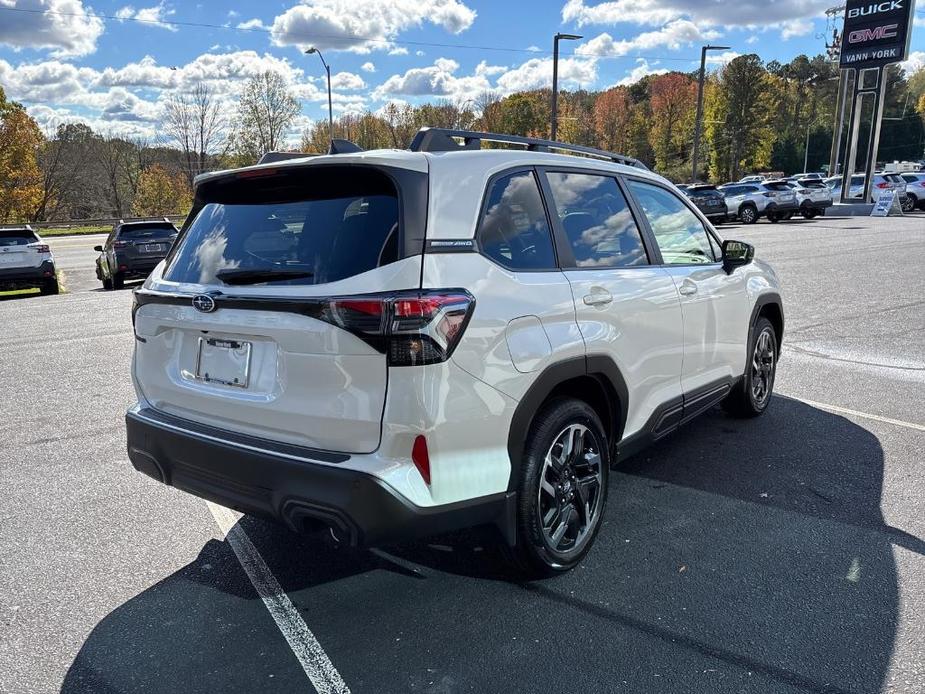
(398, 343)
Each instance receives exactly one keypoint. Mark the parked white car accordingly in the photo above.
(26, 262)
(881, 182)
(399, 343)
(915, 189)
(814, 197)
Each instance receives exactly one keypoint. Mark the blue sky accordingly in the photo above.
(112, 62)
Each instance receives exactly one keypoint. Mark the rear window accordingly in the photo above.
(894, 178)
(780, 185)
(9, 237)
(290, 227)
(139, 231)
(811, 183)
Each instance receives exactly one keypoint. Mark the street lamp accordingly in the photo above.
(698, 124)
(327, 69)
(555, 79)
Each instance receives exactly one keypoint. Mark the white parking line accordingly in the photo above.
(857, 413)
(311, 656)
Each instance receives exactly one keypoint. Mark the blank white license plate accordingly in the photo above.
(153, 248)
(226, 362)
(10, 258)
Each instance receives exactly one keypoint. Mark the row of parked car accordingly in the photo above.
(808, 195)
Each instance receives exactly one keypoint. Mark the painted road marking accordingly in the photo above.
(856, 413)
(311, 656)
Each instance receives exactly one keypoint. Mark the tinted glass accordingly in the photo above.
(680, 235)
(811, 183)
(597, 220)
(777, 186)
(513, 230)
(140, 231)
(345, 224)
(20, 237)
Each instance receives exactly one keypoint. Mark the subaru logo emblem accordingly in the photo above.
(204, 303)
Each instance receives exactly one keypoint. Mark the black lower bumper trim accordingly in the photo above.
(360, 508)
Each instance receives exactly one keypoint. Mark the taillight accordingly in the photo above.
(413, 328)
(421, 458)
(768, 195)
(42, 248)
(883, 185)
(119, 244)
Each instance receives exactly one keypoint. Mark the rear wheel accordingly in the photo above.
(753, 394)
(118, 280)
(774, 217)
(107, 283)
(563, 488)
(748, 214)
(50, 287)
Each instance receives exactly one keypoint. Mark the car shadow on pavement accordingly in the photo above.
(734, 556)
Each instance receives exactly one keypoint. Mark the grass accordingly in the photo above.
(73, 231)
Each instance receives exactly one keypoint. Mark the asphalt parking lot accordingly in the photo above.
(784, 554)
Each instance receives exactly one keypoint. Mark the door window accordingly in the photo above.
(596, 220)
(680, 234)
(513, 230)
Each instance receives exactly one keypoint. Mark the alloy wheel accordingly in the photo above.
(763, 363)
(570, 490)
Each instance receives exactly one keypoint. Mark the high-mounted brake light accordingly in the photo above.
(413, 328)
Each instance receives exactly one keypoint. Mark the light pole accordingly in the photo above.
(554, 120)
(698, 124)
(327, 69)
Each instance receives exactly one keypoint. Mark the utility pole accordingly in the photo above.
(327, 69)
(554, 118)
(698, 123)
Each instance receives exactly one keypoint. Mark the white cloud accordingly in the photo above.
(152, 16)
(368, 67)
(914, 63)
(438, 79)
(253, 24)
(674, 35)
(796, 27)
(642, 69)
(483, 68)
(364, 25)
(722, 58)
(398, 50)
(63, 26)
(701, 12)
(347, 81)
(536, 73)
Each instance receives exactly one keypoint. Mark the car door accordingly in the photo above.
(627, 308)
(714, 304)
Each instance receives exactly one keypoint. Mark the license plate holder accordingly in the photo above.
(223, 361)
(153, 248)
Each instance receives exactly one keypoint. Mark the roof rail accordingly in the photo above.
(444, 140)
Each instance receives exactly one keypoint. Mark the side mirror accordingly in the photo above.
(98, 249)
(736, 254)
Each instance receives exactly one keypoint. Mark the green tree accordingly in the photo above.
(266, 109)
(20, 177)
(161, 192)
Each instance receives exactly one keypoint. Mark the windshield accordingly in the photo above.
(301, 235)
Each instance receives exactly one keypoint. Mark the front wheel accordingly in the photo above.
(908, 204)
(753, 394)
(563, 488)
(748, 214)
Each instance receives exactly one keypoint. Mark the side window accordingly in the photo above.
(597, 220)
(680, 235)
(513, 230)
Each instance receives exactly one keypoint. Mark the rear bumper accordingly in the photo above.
(781, 207)
(283, 483)
(130, 268)
(816, 204)
(24, 277)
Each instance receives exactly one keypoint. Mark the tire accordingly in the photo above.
(808, 213)
(118, 280)
(107, 283)
(50, 287)
(747, 400)
(774, 217)
(908, 205)
(555, 529)
(748, 214)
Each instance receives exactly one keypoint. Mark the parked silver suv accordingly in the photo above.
(750, 201)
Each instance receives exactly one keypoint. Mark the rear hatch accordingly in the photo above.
(147, 242)
(266, 317)
(818, 190)
(780, 192)
(20, 248)
(707, 198)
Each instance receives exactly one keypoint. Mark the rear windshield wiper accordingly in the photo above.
(258, 276)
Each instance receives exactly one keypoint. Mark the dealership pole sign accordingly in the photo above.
(876, 33)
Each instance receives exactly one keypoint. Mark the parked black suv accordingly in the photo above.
(708, 200)
(132, 250)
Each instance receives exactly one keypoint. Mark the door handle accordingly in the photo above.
(598, 298)
(687, 288)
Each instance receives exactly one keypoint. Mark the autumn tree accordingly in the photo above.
(160, 193)
(612, 117)
(672, 100)
(20, 177)
(266, 109)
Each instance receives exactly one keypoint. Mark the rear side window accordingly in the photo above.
(290, 227)
(596, 220)
(513, 230)
(10, 237)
